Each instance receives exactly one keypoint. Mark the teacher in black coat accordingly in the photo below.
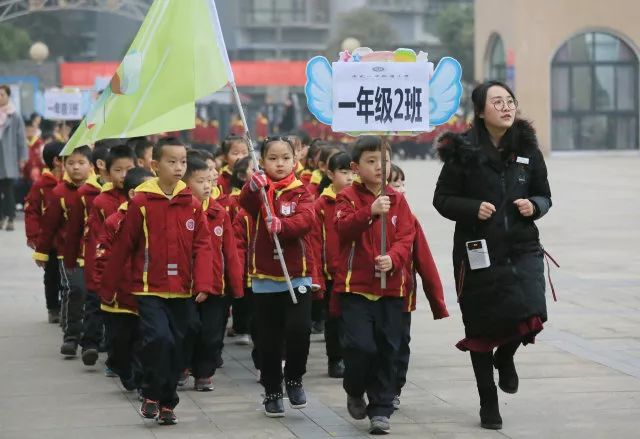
(494, 186)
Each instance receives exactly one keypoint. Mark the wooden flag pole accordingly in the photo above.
(383, 217)
(265, 201)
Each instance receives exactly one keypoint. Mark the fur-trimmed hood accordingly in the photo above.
(520, 138)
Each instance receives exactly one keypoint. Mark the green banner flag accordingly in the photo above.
(177, 57)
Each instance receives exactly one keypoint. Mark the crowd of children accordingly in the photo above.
(149, 249)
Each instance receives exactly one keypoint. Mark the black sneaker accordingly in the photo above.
(508, 379)
(379, 425)
(53, 316)
(166, 417)
(273, 405)
(357, 407)
(69, 348)
(396, 402)
(336, 369)
(317, 327)
(89, 356)
(295, 392)
(149, 409)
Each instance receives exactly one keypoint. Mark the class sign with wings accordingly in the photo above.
(383, 92)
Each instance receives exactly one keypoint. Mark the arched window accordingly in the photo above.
(594, 94)
(496, 66)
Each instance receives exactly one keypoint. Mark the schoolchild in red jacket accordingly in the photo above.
(371, 315)
(55, 233)
(203, 346)
(35, 205)
(278, 320)
(233, 149)
(421, 263)
(165, 235)
(118, 162)
(119, 306)
(327, 247)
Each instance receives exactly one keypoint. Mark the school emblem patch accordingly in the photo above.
(191, 225)
(217, 231)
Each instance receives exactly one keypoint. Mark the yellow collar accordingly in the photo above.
(294, 184)
(107, 187)
(329, 192)
(299, 168)
(215, 193)
(316, 176)
(235, 191)
(152, 186)
(124, 206)
(225, 170)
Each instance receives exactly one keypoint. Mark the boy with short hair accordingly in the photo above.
(35, 205)
(56, 232)
(371, 315)
(143, 149)
(117, 163)
(204, 345)
(120, 307)
(166, 237)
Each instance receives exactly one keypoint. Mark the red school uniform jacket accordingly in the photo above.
(243, 230)
(103, 206)
(35, 205)
(78, 222)
(227, 270)
(224, 180)
(327, 242)
(119, 300)
(168, 243)
(422, 263)
(294, 206)
(54, 233)
(360, 241)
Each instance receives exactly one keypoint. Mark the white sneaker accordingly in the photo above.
(243, 340)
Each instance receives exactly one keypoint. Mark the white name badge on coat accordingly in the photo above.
(285, 209)
(523, 160)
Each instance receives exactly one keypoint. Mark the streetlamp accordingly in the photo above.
(39, 52)
(350, 44)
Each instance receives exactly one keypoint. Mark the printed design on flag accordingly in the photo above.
(384, 104)
(191, 225)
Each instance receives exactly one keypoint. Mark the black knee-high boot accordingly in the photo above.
(489, 411)
(503, 361)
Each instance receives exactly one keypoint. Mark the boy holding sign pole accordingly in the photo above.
(371, 315)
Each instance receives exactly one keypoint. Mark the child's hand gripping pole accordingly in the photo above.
(263, 195)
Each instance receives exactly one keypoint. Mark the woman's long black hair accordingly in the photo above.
(479, 129)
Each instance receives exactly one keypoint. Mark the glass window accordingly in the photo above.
(496, 68)
(563, 133)
(581, 88)
(560, 95)
(593, 132)
(626, 83)
(605, 87)
(626, 131)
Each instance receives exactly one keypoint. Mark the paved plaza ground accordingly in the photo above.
(580, 380)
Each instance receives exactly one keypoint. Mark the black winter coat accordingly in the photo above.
(495, 299)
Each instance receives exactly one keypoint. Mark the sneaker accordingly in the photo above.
(109, 373)
(149, 409)
(140, 396)
(396, 402)
(379, 425)
(129, 384)
(53, 316)
(203, 384)
(166, 417)
(69, 348)
(317, 327)
(243, 340)
(357, 407)
(336, 369)
(10, 227)
(183, 378)
(89, 356)
(295, 392)
(273, 405)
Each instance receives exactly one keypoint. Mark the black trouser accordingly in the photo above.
(402, 360)
(52, 282)
(7, 198)
(253, 327)
(203, 343)
(331, 328)
(241, 311)
(74, 293)
(317, 311)
(163, 325)
(371, 333)
(92, 323)
(280, 321)
(122, 330)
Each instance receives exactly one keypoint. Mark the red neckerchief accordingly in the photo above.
(272, 188)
